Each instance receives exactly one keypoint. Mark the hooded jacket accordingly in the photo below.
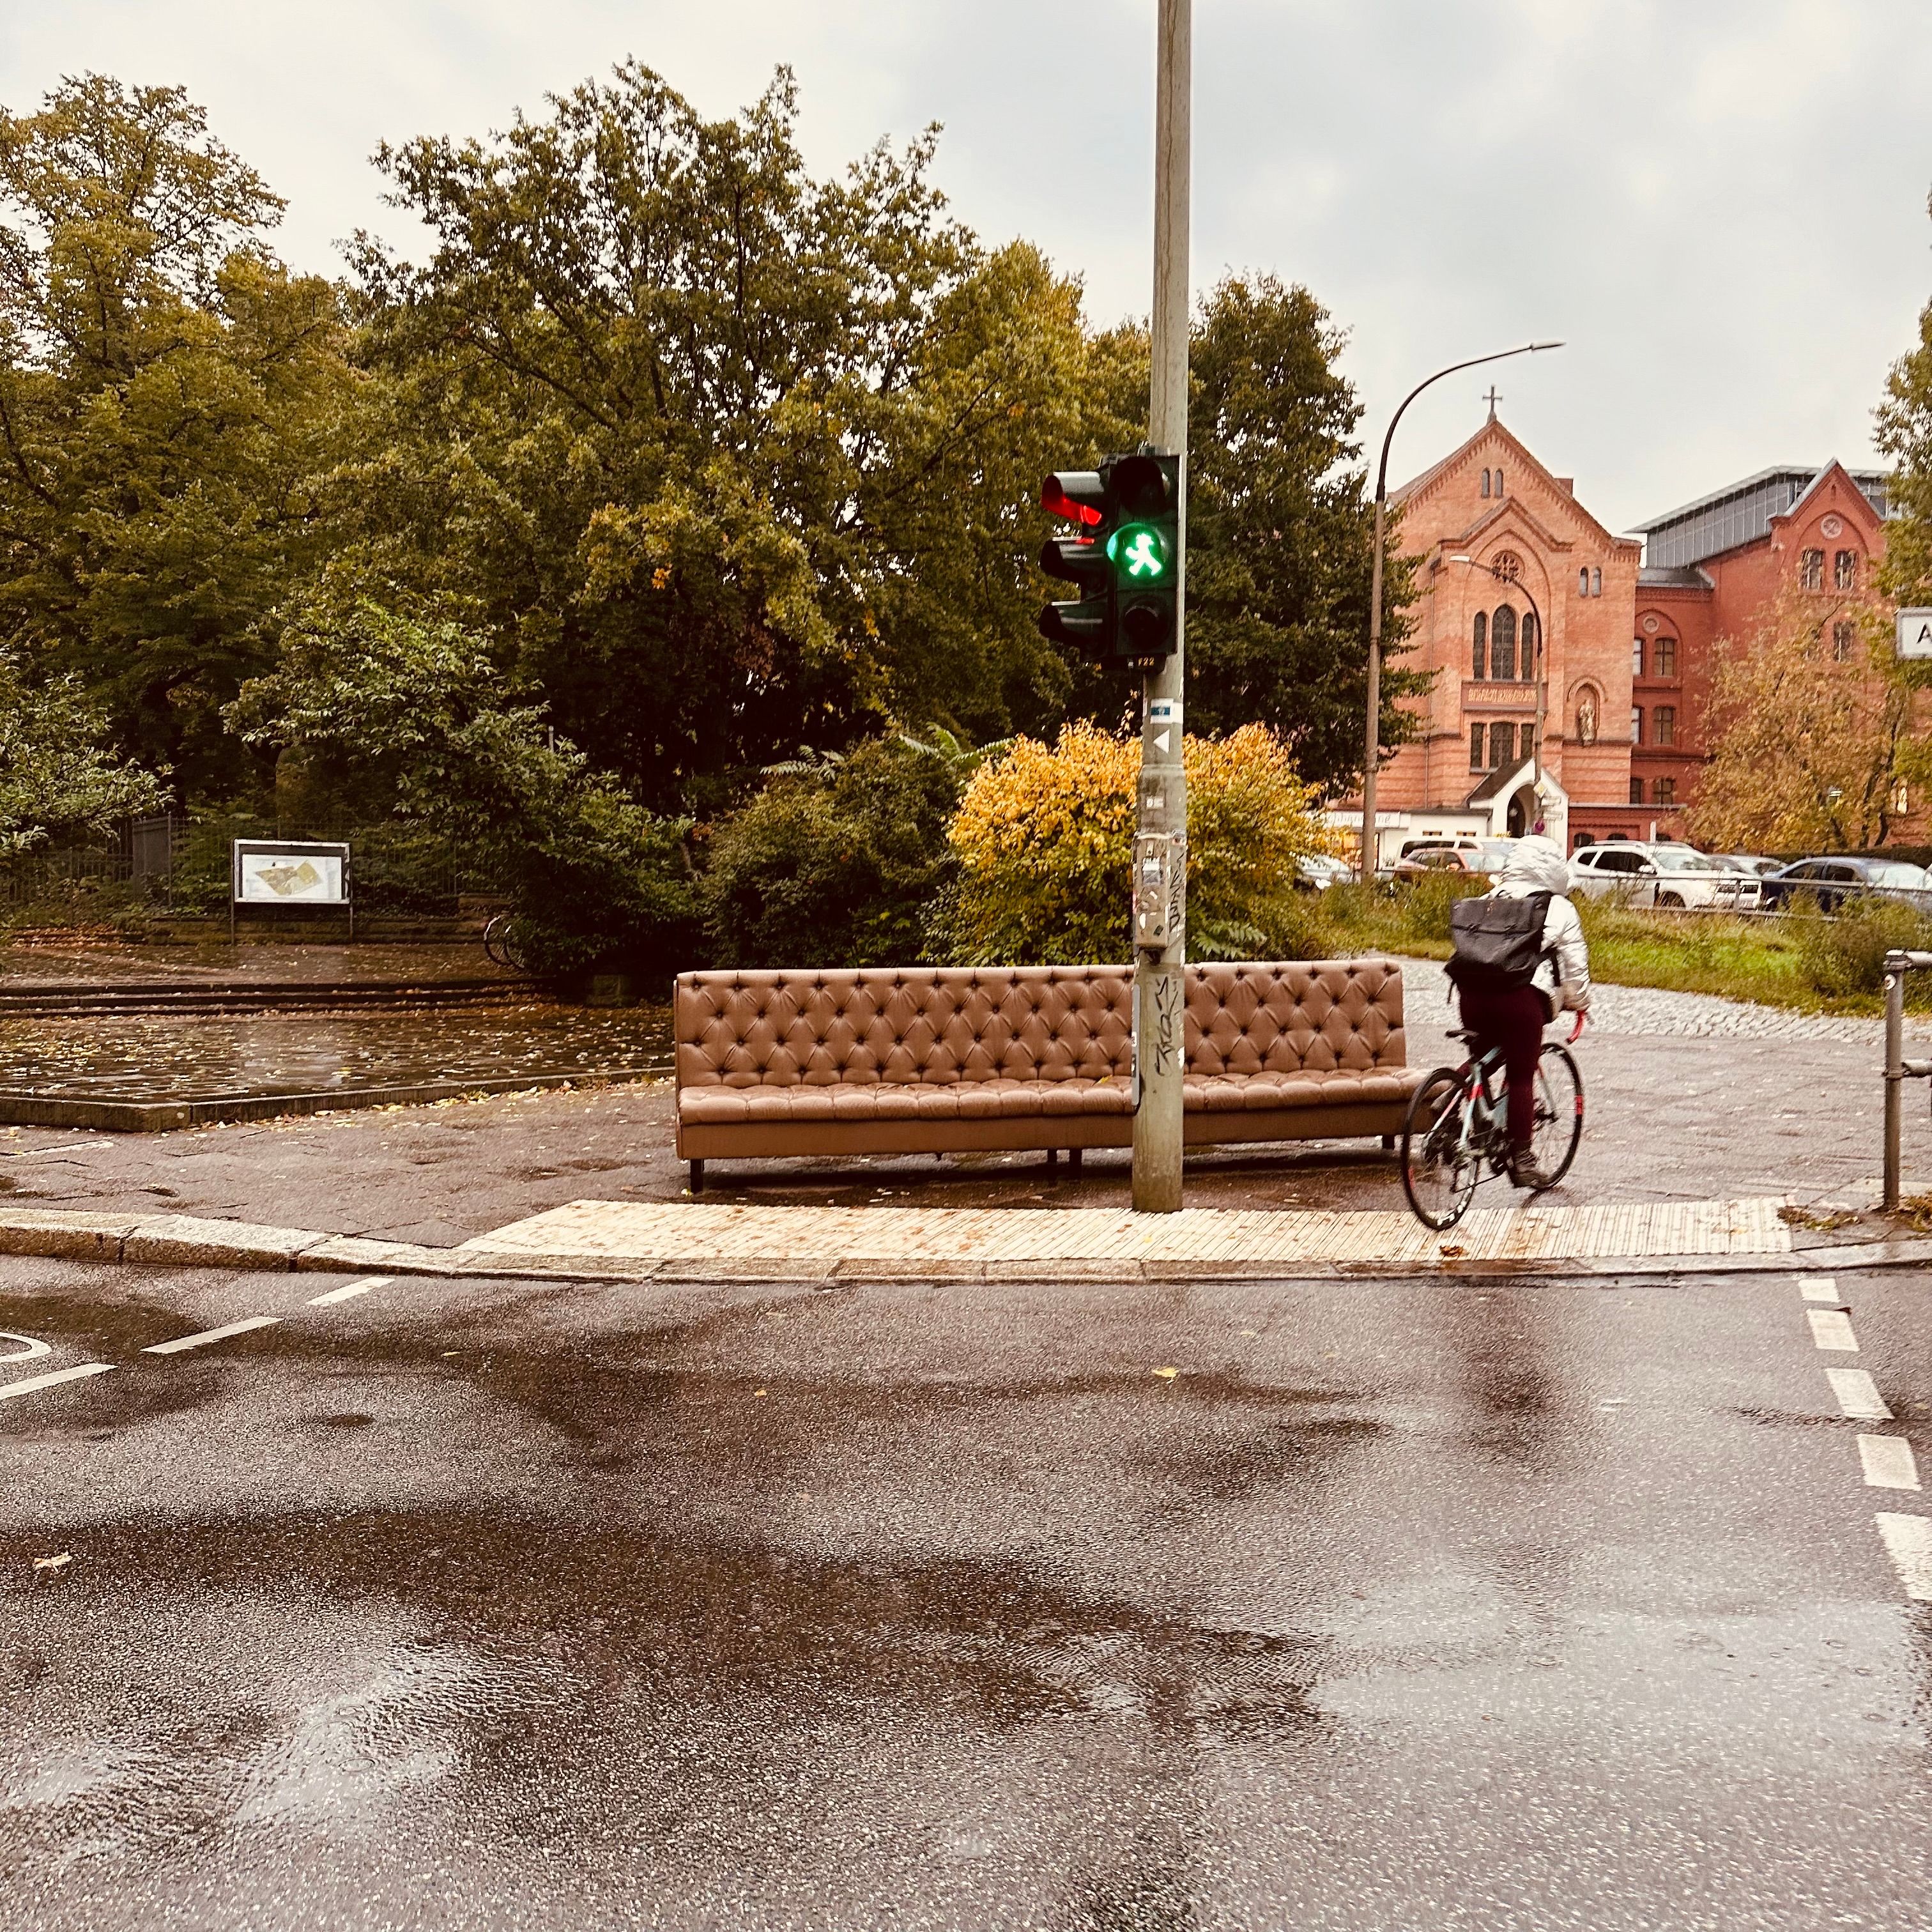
(1537, 865)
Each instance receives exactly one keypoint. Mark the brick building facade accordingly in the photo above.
(1571, 666)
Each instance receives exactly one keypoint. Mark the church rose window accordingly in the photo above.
(1477, 658)
(1811, 570)
(1502, 642)
(1506, 564)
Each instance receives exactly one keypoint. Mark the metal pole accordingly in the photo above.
(1160, 976)
(1372, 736)
(1895, 1073)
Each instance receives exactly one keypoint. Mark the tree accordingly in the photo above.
(1044, 839)
(1904, 433)
(1279, 537)
(170, 399)
(727, 459)
(1810, 725)
(409, 717)
(55, 776)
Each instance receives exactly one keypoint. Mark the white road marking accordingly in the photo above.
(208, 1335)
(1908, 1540)
(349, 1293)
(1831, 1328)
(28, 1383)
(1858, 1396)
(1818, 1287)
(1888, 1463)
(30, 1349)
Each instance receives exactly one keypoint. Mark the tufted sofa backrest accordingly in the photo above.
(920, 1025)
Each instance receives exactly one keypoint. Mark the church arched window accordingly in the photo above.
(1502, 642)
(1582, 583)
(1529, 643)
(1499, 482)
(1476, 644)
(1485, 482)
(1596, 583)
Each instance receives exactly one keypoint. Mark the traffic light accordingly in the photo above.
(1125, 556)
(1080, 495)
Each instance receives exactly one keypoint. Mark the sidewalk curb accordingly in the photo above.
(186, 1240)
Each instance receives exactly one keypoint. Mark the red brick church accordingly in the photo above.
(1571, 665)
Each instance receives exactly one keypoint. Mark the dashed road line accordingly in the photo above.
(1908, 1541)
(27, 1385)
(1831, 1328)
(1888, 1463)
(207, 1335)
(1858, 1396)
(1818, 1287)
(350, 1292)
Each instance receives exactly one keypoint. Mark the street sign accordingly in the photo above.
(1915, 634)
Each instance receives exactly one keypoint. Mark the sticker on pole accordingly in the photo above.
(1915, 634)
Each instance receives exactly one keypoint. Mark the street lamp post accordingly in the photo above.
(1542, 678)
(1372, 733)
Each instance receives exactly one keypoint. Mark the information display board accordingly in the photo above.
(285, 872)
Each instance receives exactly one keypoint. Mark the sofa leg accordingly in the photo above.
(1388, 1144)
(1073, 1161)
(697, 1177)
(1052, 1160)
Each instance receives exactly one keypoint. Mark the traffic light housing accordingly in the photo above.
(1125, 555)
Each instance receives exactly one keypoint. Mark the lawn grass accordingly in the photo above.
(1796, 960)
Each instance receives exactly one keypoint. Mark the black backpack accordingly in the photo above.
(1498, 942)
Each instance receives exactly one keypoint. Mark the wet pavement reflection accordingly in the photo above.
(142, 1058)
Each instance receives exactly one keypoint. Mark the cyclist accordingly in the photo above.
(1498, 948)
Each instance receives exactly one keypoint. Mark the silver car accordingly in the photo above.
(1672, 876)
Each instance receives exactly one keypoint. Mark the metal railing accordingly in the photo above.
(1897, 1068)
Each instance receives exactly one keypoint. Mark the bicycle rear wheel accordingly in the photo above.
(1559, 1111)
(1439, 1168)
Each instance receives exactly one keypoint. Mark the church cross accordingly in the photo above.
(1493, 398)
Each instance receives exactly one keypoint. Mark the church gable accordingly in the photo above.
(1494, 447)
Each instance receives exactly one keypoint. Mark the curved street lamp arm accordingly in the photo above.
(1501, 355)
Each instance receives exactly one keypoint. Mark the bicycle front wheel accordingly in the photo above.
(1558, 1130)
(1439, 1167)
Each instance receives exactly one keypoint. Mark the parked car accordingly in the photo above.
(1485, 857)
(1316, 871)
(1758, 866)
(1829, 881)
(1661, 874)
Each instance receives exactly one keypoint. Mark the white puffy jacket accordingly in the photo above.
(1537, 865)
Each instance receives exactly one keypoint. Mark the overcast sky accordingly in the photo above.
(1720, 205)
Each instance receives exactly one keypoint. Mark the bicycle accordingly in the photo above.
(1457, 1125)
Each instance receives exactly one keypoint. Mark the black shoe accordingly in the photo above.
(1525, 1173)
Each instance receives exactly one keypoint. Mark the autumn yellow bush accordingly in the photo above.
(1043, 840)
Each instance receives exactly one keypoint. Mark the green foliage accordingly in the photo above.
(835, 867)
(1846, 953)
(171, 401)
(54, 776)
(734, 459)
(409, 717)
(1280, 537)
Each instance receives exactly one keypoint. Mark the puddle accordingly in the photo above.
(143, 1058)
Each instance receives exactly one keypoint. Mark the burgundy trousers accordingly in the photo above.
(1513, 1021)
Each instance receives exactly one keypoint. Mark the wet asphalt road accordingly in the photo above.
(1408, 1604)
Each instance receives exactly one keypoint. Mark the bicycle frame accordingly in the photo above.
(1478, 1105)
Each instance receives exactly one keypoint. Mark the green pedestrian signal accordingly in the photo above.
(1124, 554)
(1138, 554)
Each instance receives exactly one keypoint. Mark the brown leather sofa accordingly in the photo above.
(950, 1059)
